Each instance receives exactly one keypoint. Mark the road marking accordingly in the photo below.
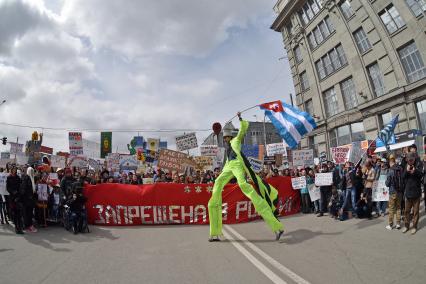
(293, 276)
(266, 271)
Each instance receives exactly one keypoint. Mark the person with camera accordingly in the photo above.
(412, 177)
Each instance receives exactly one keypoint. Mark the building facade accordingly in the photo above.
(355, 65)
(255, 135)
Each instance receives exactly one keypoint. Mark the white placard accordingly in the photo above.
(276, 148)
(78, 162)
(186, 142)
(209, 150)
(314, 192)
(256, 165)
(94, 164)
(76, 143)
(303, 158)
(57, 161)
(16, 148)
(323, 179)
(113, 161)
(128, 162)
(380, 192)
(3, 178)
(298, 183)
(42, 192)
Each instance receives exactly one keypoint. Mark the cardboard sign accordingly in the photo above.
(323, 157)
(42, 192)
(186, 142)
(256, 165)
(174, 161)
(77, 161)
(16, 148)
(323, 179)
(314, 192)
(303, 158)
(57, 161)
(380, 192)
(209, 150)
(218, 160)
(128, 162)
(76, 143)
(298, 183)
(276, 148)
(3, 178)
(340, 154)
(153, 144)
(204, 163)
(269, 160)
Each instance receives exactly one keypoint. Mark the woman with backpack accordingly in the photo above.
(394, 182)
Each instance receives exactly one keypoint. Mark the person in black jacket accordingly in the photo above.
(77, 210)
(13, 184)
(325, 193)
(67, 183)
(412, 177)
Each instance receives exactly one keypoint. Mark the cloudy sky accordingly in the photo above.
(164, 64)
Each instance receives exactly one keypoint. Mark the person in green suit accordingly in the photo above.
(263, 196)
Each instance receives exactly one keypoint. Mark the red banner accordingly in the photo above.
(167, 203)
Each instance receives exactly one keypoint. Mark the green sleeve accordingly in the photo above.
(243, 130)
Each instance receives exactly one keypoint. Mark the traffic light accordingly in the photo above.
(4, 140)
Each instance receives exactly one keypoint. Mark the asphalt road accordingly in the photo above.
(313, 250)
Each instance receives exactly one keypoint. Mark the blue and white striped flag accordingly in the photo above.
(290, 122)
(388, 131)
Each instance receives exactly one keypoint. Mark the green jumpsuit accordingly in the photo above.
(263, 196)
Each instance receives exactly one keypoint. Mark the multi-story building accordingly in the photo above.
(255, 135)
(355, 65)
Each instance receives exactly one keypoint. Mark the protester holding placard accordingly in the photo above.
(306, 202)
(325, 193)
(42, 199)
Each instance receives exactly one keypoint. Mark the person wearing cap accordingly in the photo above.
(263, 196)
(395, 184)
(412, 177)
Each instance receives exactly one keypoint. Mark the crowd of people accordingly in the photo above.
(350, 195)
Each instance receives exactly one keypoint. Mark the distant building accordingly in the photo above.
(255, 135)
(355, 65)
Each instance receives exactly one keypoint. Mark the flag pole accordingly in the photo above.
(247, 109)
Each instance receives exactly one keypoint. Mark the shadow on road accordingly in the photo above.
(301, 235)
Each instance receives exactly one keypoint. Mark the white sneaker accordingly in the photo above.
(389, 227)
(413, 231)
(405, 230)
(398, 226)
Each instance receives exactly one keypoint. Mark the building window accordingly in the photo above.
(418, 7)
(309, 107)
(313, 144)
(376, 79)
(330, 102)
(304, 83)
(347, 134)
(320, 69)
(330, 62)
(384, 119)
(289, 29)
(391, 18)
(309, 10)
(421, 110)
(362, 40)
(346, 9)
(412, 62)
(349, 93)
(312, 41)
(297, 54)
(320, 32)
(357, 131)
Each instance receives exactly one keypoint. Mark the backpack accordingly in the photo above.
(396, 180)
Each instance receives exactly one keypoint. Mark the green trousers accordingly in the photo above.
(235, 169)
